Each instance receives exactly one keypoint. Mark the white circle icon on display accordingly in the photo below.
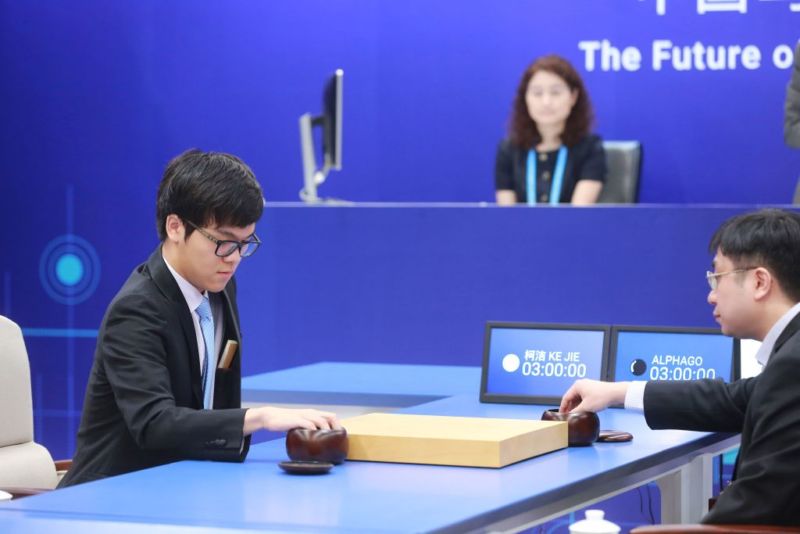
(510, 362)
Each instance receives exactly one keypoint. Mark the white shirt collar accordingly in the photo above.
(772, 336)
(191, 295)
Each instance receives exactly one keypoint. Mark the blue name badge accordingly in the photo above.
(532, 363)
(654, 353)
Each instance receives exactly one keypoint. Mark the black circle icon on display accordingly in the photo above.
(638, 367)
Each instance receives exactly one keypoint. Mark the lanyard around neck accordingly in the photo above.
(558, 177)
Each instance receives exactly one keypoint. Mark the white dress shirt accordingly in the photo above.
(193, 298)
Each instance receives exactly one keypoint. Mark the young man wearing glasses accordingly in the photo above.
(755, 290)
(166, 380)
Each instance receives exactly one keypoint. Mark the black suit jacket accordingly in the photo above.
(766, 410)
(143, 404)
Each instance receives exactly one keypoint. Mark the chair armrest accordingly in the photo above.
(19, 492)
(712, 529)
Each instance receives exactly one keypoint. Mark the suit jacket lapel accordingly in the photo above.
(789, 331)
(231, 330)
(163, 278)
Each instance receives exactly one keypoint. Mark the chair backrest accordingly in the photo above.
(16, 404)
(22, 462)
(624, 162)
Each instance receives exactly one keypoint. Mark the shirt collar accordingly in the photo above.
(191, 295)
(768, 344)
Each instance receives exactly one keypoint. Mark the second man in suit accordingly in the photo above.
(755, 292)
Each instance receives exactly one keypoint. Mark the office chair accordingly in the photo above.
(26, 468)
(624, 162)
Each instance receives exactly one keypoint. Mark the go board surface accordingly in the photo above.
(445, 440)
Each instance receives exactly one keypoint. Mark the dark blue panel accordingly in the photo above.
(417, 284)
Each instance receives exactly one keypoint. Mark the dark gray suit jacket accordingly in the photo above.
(143, 404)
(766, 410)
(791, 121)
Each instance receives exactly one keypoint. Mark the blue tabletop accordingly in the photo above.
(374, 497)
(49, 523)
(364, 384)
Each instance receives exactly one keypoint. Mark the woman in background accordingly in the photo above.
(549, 156)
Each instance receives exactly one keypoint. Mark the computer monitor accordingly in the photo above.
(533, 363)
(330, 121)
(667, 353)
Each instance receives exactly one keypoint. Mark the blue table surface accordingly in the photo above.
(369, 384)
(366, 496)
(50, 523)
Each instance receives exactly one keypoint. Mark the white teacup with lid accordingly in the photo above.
(593, 524)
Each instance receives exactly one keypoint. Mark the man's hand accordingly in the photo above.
(283, 419)
(593, 395)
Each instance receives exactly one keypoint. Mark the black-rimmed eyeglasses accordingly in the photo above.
(226, 247)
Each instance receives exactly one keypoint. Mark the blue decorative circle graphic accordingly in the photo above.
(69, 269)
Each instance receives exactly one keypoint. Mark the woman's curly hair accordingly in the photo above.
(522, 129)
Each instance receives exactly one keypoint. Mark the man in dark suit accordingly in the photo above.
(755, 290)
(791, 116)
(165, 383)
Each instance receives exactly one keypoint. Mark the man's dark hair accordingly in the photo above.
(768, 238)
(208, 188)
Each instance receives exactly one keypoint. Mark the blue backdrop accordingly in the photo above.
(100, 94)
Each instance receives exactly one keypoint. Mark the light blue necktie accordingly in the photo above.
(210, 361)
